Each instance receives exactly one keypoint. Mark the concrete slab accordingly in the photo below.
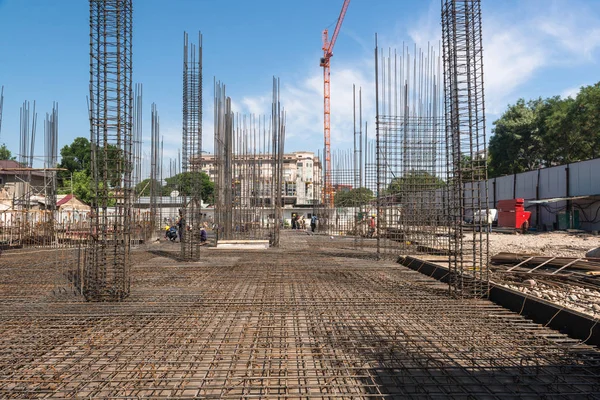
(243, 244)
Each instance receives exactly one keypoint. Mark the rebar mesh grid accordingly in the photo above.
(411, 168)
(191, 209)
(111, 120)
(349, 201)
(466, 147)
(248, 165)
(261, 324)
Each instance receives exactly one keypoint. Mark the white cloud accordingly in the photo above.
(510, 59)
(520, 41)
(571, 92)
(303, 102)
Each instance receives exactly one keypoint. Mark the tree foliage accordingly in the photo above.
(412, 182)
(5, 153)
(185, 182)
(353, 197)
(77, 157)
(546, 132)
(144, 188)
(80, 186)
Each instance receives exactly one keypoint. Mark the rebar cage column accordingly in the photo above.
(111, 99)
(466, 152)
(191, 211)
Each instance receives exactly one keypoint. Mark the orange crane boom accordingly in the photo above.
(325, 63)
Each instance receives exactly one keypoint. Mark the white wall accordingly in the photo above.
(584, 180)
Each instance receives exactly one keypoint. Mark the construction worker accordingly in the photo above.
(180, 225)
(372, 226)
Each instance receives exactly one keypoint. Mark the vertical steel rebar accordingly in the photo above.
(155, 179)
(466, 141)
(111, 100)
(191, 183)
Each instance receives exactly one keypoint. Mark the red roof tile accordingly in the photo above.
(64, 200)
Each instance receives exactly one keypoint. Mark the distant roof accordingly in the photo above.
(15, 164)
(9, 164)
(64, 200)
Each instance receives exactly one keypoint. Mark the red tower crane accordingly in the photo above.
(325, 63)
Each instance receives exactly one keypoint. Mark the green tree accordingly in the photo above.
(81, 186)
(557, 131)
(144, 188)
(353, 197)
(5, 153)
(546, 132)
(516, 144)
(75, 157)
(413, 182)
(185, 182)
(585, 118)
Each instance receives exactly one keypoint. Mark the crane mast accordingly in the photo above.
(325, 63)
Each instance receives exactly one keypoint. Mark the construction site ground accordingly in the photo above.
(312, 319)
(553, 244)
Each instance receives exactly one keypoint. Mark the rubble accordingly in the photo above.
(583, 300)
(556, 244)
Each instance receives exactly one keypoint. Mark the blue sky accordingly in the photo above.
(531, 48)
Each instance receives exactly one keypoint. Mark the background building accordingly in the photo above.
(301, 184)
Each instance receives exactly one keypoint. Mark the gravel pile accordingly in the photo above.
(580, 299)
(552, 244)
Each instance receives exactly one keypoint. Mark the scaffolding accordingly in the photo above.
(466, 148)
(111, 100)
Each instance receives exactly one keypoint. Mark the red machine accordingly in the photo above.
(512, 214)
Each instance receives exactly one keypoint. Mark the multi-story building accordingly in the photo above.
(301, 184)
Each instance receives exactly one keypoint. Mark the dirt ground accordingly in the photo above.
(555, 244)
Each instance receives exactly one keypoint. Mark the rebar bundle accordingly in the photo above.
(51, 160)
(277, 152)
(191, 209)
(466, 147)
(410, 153)
(155, 164)
(248, 164)
(137, 134)
(111, 100)
(28, 124)
(223, 137)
